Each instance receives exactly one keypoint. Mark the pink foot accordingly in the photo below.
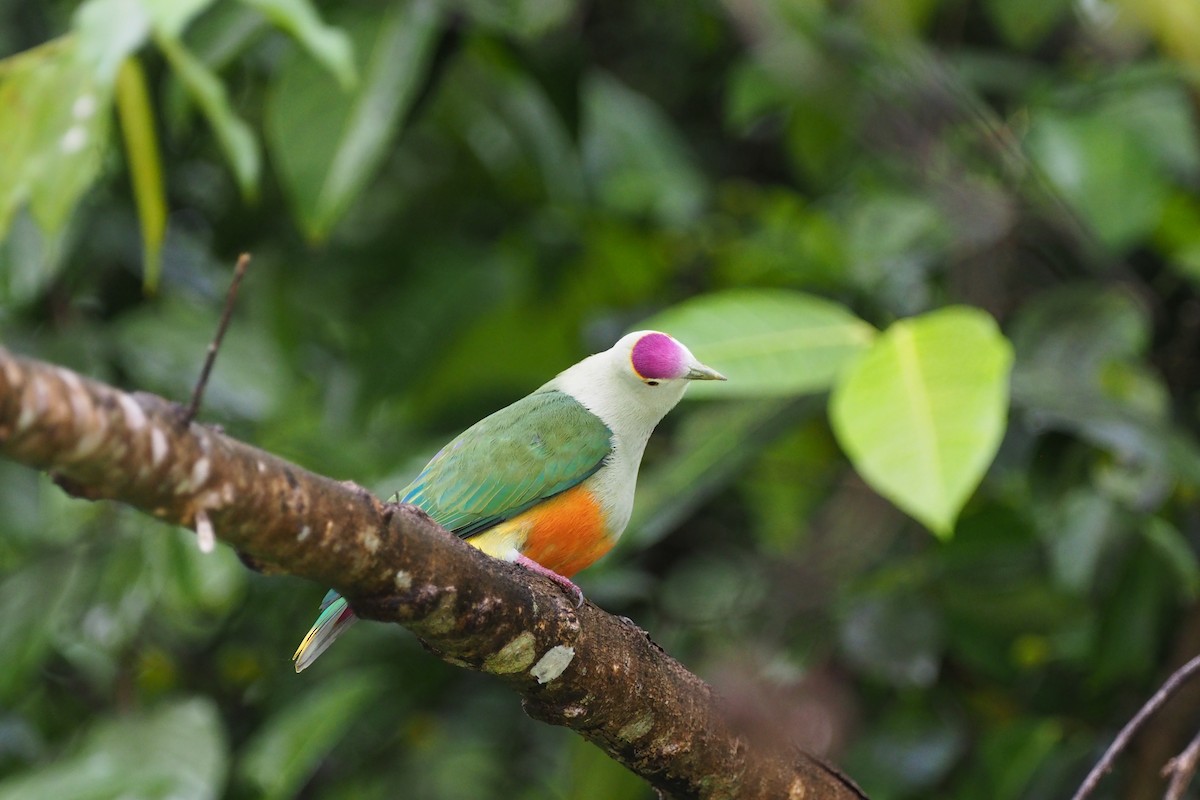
(567, 585)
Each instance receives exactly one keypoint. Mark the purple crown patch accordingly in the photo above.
(657, 356)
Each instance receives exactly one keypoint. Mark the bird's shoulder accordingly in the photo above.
(541, 445)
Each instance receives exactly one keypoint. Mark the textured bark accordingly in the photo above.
(580, 668)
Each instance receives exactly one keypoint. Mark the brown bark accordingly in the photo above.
(580, 668)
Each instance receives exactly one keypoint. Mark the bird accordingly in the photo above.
(547, 482)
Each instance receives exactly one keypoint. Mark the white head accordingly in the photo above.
(635, 382)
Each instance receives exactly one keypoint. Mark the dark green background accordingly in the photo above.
(565, 170)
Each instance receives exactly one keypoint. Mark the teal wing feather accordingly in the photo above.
(508, 462)
(502, 465)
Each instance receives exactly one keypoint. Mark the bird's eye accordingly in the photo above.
(652, 383)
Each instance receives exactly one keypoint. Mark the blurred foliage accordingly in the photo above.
(448, 201)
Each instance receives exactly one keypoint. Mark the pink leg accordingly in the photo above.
(567, 585)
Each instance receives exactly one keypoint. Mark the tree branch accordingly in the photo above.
(581, 668)
(1177, 679)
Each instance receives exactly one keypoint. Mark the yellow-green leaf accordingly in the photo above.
(145, 165)
(769, 343)
(234, 136)
(922, 413)
(326, 143)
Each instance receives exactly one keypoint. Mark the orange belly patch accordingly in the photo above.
(566, 533)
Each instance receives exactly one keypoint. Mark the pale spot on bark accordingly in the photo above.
(303, 534)
(70, 379)
(553, 663)
(26, 418)
(370, 541)
(88, 444)
(205, 536)
(571, 712)
(637, 729)
(442, 619)
(12, 373)
(261, 466)
(158, 446)
(39, 394)
(200, 472)
(403, 580)
(135, 418)
(796, 791)
(513, 657)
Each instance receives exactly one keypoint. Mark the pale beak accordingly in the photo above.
(699, 372)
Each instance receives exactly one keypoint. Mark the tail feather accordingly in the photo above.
(336, 617)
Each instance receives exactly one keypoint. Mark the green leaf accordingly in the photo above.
(327, 44)
(108, 31)
(234, 136)
(769, 343)
(637, 160)
(1106, 172)
(1025, 23)
(162, 347)
(53, 131)
(894, 636)
(170, 17)
(292, 743)
(175, 752)
(328, 142)
(716, 443)
(36, 601)
(528, 141)
(145, 165)
(522, 19)
(1173, 548)
(922, 413)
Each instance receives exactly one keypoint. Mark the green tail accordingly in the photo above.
(336, 616)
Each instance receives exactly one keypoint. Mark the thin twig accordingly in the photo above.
(1172, 685)
(193, 408)
(1182, 768)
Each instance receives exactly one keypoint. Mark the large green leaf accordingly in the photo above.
(769, 343)
(234, 136)
(175, 752)
(636, 159)
(1107, 173)
(715, 443)
(327, 142)
(286, 751)
(922, 413)
(50, 150)
(329, 45)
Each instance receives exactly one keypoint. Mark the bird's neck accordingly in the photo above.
(630, 418)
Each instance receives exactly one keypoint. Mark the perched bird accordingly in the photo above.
(548, 481)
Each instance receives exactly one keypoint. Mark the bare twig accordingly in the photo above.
(193, 408)
(1182, 768)
(577, 667)
(1172, 684)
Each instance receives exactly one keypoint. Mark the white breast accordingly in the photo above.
(605, 385)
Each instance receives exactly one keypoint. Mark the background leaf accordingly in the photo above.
(237, 140)
(281, 756)
(331, 46)
(177, 751)
(922, 413)
(145, 167)
(329, 141)
(768, 343)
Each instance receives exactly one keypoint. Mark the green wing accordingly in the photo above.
(502, 465)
